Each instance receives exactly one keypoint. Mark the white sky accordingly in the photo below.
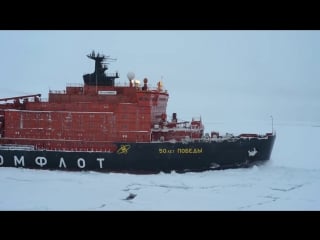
(239, 75)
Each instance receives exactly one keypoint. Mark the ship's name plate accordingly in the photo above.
(107, 92)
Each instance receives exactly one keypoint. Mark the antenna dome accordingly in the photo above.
(130, 76)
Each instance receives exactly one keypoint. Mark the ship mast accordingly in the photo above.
(272, 123)
(99, 77)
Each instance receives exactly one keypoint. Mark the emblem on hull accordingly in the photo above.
(123, 149)
(252, 152)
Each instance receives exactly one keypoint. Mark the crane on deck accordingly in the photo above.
(20, 97)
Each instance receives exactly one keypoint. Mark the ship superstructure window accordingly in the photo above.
(91, 121)
(80, 121)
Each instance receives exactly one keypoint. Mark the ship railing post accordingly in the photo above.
(96, 82)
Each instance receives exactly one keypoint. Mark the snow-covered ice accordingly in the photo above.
(289, 181)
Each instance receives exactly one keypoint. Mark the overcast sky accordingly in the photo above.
(247, 75)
